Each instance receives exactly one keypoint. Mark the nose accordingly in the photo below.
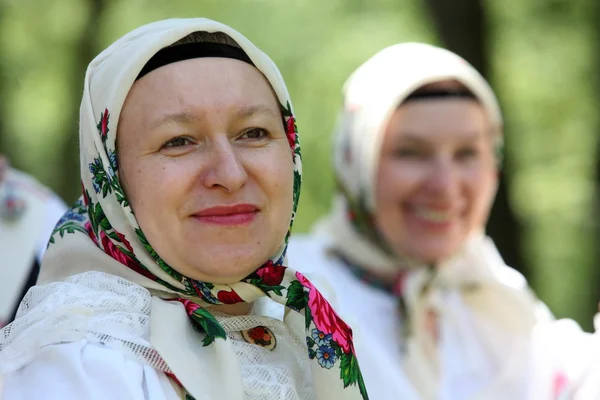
(225, 168)
(443, 177)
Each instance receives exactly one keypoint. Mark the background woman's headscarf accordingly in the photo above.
(485, 309)
(101, 233)
(371, 96)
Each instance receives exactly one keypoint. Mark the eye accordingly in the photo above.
(408, 152)
(179, 141)
(466, 153)
(254, 134)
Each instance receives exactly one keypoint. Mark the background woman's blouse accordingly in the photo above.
(559, 358)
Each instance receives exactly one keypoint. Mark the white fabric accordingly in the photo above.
(25, 238)
(52, 317)
(495, 341)
(86, 371)
(93, 306)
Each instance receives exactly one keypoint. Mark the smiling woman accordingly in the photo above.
(168, 279)
(416, 158)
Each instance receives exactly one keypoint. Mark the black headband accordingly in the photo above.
(187, 51)
(437, 94)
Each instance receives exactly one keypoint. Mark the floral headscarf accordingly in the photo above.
(371, 95)
(103, 219)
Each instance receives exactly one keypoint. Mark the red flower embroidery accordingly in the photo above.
(261, 336)
(124, 240)
(112, 249)
(290, 130)
(259, 333)
(325, 318)
(271, 274)
(90, 232)
(104, 124)
(229, 297)
(190, 306)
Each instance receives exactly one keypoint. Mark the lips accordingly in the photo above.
(432, 214)
(238, 214)
(432, 217)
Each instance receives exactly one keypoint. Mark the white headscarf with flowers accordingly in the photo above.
(485, 310)
(100, 233)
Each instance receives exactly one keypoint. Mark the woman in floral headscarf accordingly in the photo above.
(168, 279)
(434, 307)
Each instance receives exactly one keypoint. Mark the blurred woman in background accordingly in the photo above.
(28, 213)
(416, 157)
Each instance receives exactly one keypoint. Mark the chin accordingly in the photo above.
(431, 253)
(223, 266)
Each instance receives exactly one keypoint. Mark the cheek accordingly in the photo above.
(152, 184)
(395, 182)
(481, 186)
(273, 170)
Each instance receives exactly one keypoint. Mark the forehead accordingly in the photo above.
(443, 119)
(201, 84)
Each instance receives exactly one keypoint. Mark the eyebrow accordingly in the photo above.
(416, 138)
(246, 112)
(184, 118)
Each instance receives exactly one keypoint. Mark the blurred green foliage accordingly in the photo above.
(543, 65)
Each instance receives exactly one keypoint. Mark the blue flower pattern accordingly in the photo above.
(320, 338)
(324, 352)
(326, 357)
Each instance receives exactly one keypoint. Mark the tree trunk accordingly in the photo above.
(595, 212)
(462, 27)
(86, 49)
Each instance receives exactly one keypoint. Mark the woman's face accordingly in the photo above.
(437, 177)
(207, 168)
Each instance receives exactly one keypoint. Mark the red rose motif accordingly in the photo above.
(261, 336)
(271, 274)
(325, 318)
(124, 240)
(290, 130)
(104, 124)
(229, 297)
(257, 333)
(90, 232)
(115, 252)
(190, 306)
